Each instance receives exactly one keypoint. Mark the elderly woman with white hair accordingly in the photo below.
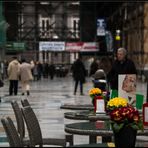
(122, 65)
(26, 76)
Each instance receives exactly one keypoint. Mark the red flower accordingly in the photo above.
(115, 115)
(124, 116)
(125, 113)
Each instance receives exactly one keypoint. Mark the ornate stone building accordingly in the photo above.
(34, 21)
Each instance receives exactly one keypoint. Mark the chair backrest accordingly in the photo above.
(19, 119)
(33, 126)
(25, 102)
(11, 132)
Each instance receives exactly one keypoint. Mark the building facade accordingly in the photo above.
(34, 21)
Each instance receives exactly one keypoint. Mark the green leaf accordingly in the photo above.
(134, 126)
(116, 127)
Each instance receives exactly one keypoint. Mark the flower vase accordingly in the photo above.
(126, 137)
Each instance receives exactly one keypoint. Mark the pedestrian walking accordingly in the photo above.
(13, 76)
(35, 71)
(51, 71)
(45, 70)
(26, 76)
(2, 69)
(79, 73)
(40, 70)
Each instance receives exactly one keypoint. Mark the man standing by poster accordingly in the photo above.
(122, 65)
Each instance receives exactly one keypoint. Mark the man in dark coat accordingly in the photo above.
(79, 73)
(122, 65)
(51, 71)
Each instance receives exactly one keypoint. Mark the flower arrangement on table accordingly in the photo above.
(122, 114)
(95, 92)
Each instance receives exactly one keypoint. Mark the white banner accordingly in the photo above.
(51, 46)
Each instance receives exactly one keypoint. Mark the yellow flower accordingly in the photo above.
(117, 102)
(122, 114)
(95, 91)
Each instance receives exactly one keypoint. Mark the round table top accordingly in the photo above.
(86, 115)
(89, 128)
(99, 128)
(78, 106)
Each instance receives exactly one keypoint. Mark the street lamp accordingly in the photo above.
(117, 38)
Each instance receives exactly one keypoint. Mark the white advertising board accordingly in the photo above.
(51, 46)
(127, 87)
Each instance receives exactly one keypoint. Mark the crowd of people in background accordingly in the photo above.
(25, 71)
(40, 70)
(48, 70)
(111, 67)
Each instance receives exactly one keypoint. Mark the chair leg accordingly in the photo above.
(69, 138)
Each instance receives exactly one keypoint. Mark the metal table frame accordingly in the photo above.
(76, 128)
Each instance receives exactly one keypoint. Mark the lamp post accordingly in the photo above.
(118, 38)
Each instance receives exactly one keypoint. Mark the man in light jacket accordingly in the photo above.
(26, 76)
(13, 76)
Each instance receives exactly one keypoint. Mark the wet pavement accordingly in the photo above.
(46, 97)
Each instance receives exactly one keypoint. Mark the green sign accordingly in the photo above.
(15, 46)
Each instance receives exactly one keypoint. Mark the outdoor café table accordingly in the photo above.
(86, 115)
(91, 116)
(77, 106)
(93, 129)
(109, 144)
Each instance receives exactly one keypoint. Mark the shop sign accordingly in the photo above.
(73, 46)
(89, 46)
(51, 46)
(81, 46)
(101, 27)
(15, 46)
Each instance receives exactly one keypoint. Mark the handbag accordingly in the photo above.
(1, 83)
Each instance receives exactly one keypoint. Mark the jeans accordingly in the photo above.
(76, 85)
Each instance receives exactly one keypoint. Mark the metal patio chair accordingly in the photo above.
(20, 122)
(25, 102)
(69, 137)
(19, 118)
(34, 130)
(11, 132)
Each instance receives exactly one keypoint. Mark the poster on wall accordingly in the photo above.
(127, 87)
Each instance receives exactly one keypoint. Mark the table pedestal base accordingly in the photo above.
(93, 139)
